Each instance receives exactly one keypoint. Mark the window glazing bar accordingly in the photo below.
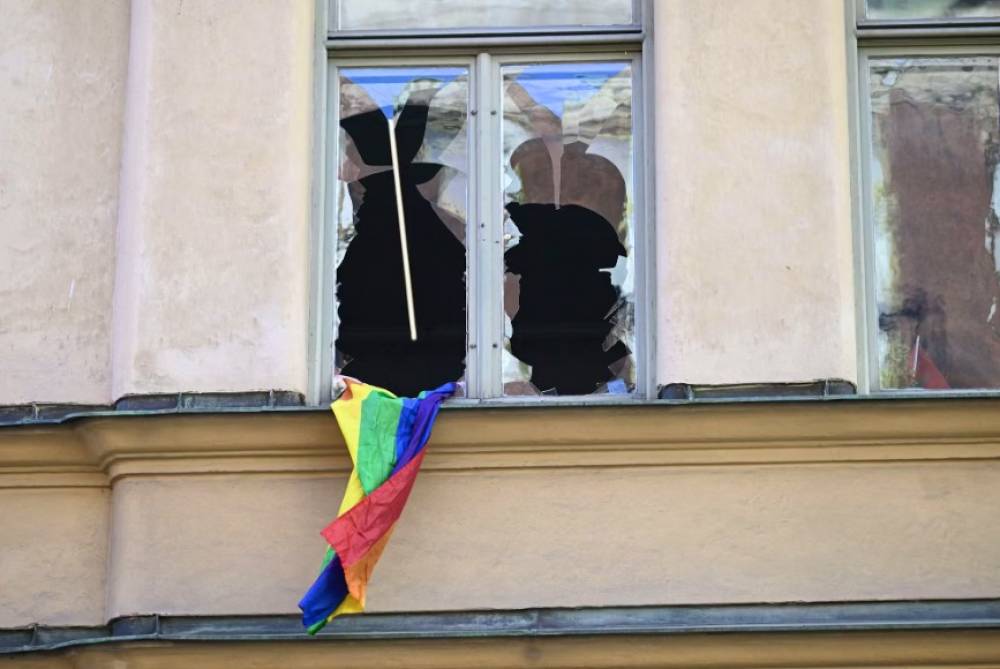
(552, 31)
(867, 31)
(354, 43)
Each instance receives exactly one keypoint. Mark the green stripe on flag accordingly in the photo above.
(377, 443)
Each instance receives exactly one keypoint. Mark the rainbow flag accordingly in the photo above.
(385, 437)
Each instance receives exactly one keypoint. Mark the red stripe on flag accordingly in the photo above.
(353, 534)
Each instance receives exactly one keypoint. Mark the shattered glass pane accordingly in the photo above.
(373, 340)
(936, 193)
(569, 271)
(439, 14)
(932, 9)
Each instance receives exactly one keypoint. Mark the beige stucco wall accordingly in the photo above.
(198, 280)
(565, 538)
(213, 261)
(654, 505)
(206, 286)
(754, 227)
(53, 555)
(230, 543)
(62, 71)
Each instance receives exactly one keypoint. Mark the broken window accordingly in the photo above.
(931, 9)
(519, 202)
(568, 283)
(934, 198)
(428, 107)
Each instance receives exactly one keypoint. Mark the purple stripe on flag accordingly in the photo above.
(420, 431)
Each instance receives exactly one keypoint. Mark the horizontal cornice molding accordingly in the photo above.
(759, 433)
(944, 633)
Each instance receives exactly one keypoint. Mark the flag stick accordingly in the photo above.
(404, 247)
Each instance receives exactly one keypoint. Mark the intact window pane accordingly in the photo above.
(569, 270)
(444, 14)
(373, 341)
(932, 9)
(935, 151)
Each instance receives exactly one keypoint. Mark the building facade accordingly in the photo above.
(720, 279)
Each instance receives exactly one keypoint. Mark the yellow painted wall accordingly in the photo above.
(594, 537)
(53, 554)
(220, 515)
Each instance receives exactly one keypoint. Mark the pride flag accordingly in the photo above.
(385, 437)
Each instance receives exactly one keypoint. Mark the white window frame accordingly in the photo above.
(870, 39)
(484, 52)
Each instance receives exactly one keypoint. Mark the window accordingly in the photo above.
(516, 153)
(931, 174)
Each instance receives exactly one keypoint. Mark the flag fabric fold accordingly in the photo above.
(385, 437)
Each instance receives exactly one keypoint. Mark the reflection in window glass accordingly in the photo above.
(443, 14)
(569, 273)
(373, 341)
(932, 9)
(935, 151)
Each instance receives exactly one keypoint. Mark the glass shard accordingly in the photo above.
(373, 341)
(569, 272)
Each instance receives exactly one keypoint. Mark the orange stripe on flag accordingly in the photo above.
(359, 573)
(356, 532)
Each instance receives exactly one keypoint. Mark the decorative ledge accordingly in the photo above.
(52, 413)
(271, 400)
(97, 450)
(811, 634)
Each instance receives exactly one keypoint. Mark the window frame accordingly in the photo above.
(870, 39)
(484, 52)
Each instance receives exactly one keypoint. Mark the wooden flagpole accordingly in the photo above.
(403, 245)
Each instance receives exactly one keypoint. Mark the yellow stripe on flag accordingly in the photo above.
(348, 413)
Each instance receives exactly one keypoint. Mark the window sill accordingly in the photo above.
(290, 402)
